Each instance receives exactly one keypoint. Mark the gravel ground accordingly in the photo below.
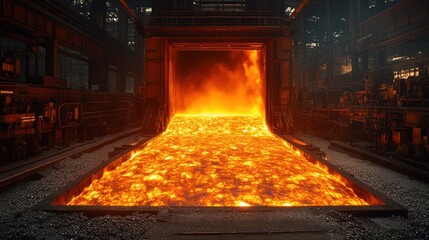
(410, 193)
(18, 219)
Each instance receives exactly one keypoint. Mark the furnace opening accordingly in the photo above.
(217, 149)
(216, 83)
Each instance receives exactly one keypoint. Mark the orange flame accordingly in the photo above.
(217, 151)
(224, 90)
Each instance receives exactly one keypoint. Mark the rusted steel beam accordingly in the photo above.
(300, 9)
(131, 13)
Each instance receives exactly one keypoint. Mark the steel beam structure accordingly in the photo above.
(53, 23)
(223, 31)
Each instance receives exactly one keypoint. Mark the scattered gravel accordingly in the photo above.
(410, 193)
(19, 220)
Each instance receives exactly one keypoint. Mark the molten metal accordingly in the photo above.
(218, 161)
(218, 152)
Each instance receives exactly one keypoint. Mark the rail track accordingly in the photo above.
(17, 171)
(410, 168)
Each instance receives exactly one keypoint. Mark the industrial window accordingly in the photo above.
(83, 7)
(13, 60)
(73, 67)
(74, 71)
(338, 18)
(414, 50)
(314, 29)
(373, 7)
(131, 38)
(112, 19)
(37, 62)
(407, 72)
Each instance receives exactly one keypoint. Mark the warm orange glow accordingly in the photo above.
(224, 89)
(218, 161)
(217, 151)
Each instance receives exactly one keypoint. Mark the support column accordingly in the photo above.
(154, 69)
(269, 80)
(51, 59)
(141, 50)
(98, 13)
(283, 76)
(123, 27)
(330, 57)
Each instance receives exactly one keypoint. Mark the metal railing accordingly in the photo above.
(223, 20)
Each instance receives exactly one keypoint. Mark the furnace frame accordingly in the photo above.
(275, 53)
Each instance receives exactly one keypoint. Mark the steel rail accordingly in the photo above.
(409, 168)
(17, 172)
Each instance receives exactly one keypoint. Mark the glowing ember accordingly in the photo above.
(217, 161)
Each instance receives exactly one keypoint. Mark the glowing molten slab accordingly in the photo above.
(217, 161)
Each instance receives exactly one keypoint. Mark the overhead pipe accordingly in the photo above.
(300, 9)
(131, 13)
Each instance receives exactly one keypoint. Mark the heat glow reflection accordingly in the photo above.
(217, 161)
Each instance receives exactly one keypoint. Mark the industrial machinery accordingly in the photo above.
(395, 117)
(10, 66)
(364, 80)
(36, 118)
(64, 77)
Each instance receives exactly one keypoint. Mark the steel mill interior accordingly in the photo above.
(226, 119)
